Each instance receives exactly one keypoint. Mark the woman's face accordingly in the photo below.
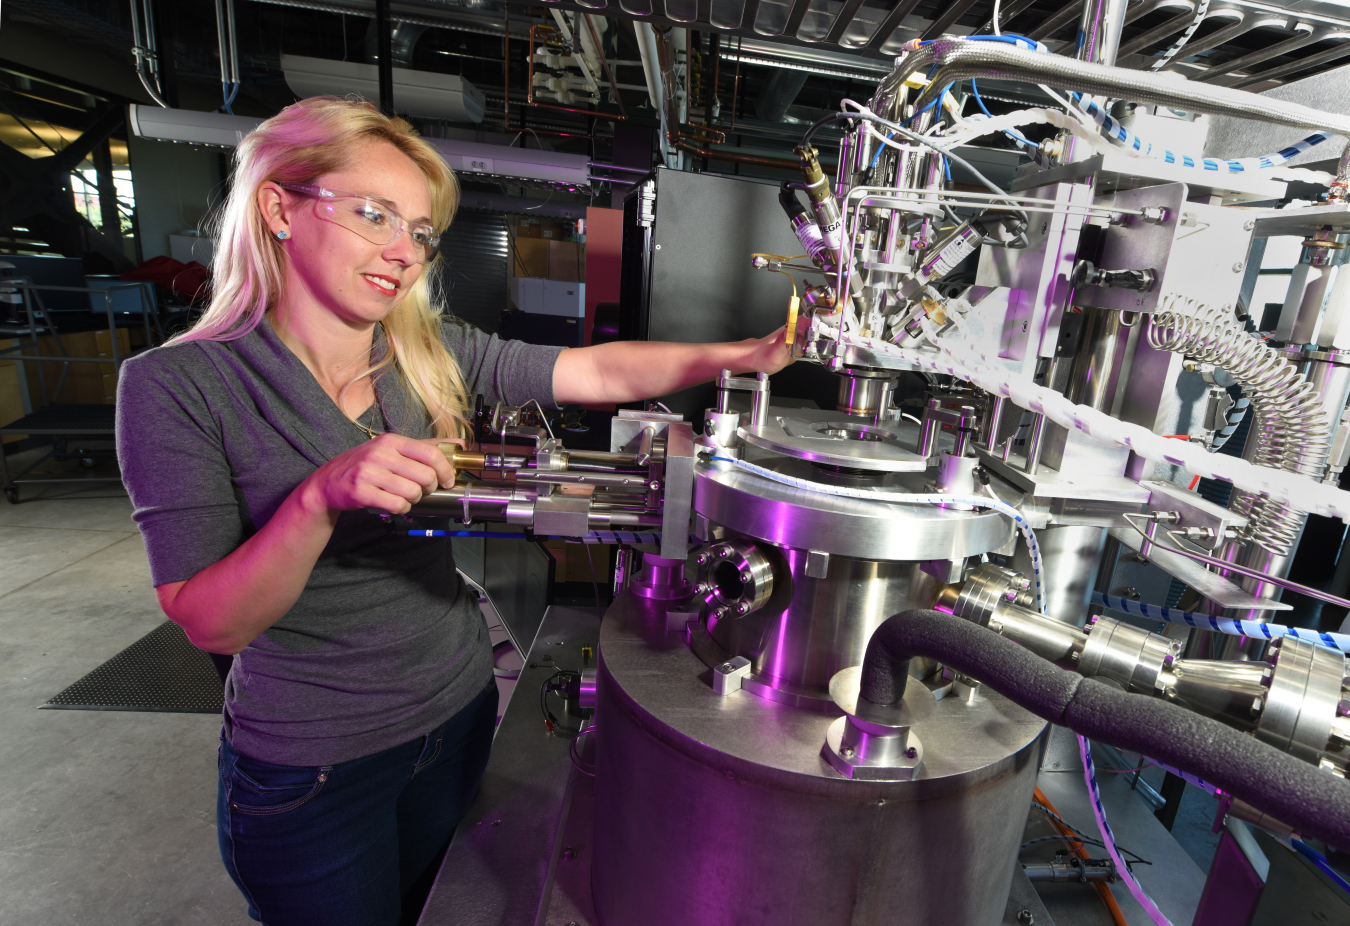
(334, 267)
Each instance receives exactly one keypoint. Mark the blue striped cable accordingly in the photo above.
(1109, 838)
(1113, 129)
(1254, 629)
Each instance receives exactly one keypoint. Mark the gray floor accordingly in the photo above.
(108, 817)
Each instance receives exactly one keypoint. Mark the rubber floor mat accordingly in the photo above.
(162, 671)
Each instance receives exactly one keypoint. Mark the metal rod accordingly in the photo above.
(1235, 567)
(385, 65)
(1034, 448)
(759, 403)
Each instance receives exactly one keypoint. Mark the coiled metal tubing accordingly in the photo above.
(1291, 428)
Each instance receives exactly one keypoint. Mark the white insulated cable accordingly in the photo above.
(990, 375)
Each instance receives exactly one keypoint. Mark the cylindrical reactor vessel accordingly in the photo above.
(721, 808)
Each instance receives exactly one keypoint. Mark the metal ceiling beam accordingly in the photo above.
(1263, 54)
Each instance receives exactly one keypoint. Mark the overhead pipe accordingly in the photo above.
(957, 60)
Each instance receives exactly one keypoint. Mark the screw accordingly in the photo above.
(743, 608)
(727, 667)
(1026, 918)
(746, 576)
(1237, 268)
(655, 486)
(846, 751)
(912, 752)
(703, 559)
(1249, 225)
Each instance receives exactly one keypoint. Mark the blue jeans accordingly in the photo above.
(340, 845)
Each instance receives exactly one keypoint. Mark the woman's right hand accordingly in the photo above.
(391, 473)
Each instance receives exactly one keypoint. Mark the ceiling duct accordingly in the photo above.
(418, 93)
(525, 166)
(185, 126)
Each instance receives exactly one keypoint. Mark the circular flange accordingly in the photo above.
(862, 528)
(840, 440)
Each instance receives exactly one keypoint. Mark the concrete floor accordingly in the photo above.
(108, 817)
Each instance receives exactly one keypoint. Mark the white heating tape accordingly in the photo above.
(989, 374)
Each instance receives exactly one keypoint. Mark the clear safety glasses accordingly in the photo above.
(373, 220)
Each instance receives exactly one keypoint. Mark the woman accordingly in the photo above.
(259, 447)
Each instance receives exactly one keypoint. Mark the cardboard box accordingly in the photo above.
(86, 383)
(571, 564)
(566, 261)
(530, 258)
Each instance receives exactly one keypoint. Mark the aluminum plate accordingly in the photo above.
(840, 440)
(807, 520)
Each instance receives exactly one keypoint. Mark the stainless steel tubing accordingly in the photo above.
(713, 809)
(610, 519)
(960, 60)
(1071, 557)
(811, 627)
(1096, 359)
(1100, 27)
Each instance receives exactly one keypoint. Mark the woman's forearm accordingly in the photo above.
(228, 604)
(626, 371)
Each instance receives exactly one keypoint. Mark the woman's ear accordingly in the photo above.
(275, 209)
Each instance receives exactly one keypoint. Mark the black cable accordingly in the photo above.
(599, 611)
(824, 121)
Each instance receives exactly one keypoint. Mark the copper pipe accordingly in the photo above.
(613, 88)
(701, 133)
(736, 87)
(529, 93)
(718, 155)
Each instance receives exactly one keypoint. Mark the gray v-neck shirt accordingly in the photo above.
(384, 643)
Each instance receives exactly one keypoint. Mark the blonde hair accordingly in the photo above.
(302, 142)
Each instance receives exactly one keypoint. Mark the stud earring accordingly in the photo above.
(283, 235)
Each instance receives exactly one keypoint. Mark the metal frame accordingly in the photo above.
(42, 422)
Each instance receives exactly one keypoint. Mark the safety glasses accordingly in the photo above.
(373, 220)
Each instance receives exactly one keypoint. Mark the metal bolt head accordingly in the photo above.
(655, 486)
(1249, 225)
(743, 608)
(846, 751)
(1026, 918)
(727, 667)
(746, 576)
(911, 752)
(1237, 268)
(703, 559)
